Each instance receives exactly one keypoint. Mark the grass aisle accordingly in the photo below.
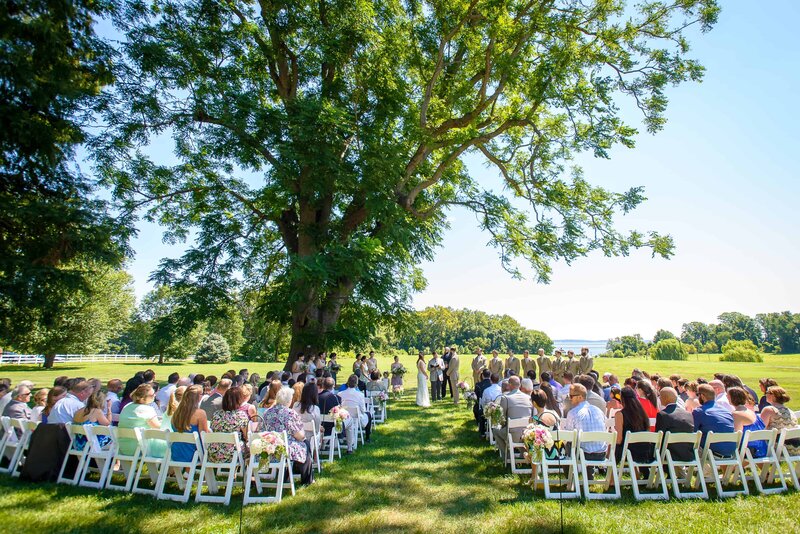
(426, 470)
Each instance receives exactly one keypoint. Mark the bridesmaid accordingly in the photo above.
(397, 380)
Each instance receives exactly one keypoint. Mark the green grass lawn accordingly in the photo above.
(425, 470)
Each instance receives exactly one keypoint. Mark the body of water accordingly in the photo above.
(597, 346)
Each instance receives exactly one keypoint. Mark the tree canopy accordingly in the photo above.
(319, 145)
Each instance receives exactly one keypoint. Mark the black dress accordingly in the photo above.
(641, 452)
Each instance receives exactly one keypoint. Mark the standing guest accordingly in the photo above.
(692, 402)
(64, 411)
(162, 397)
(776, 416)
(214, 401)
(452, 375)
(721, 399)
(189, 417)
(92, 415)
(114, 387)
(39, 402)
(280, 418)
(586, 418)
(351, 396)
(710, 417)
(478, 365)
(311, 367)
(675, 419)
(269, 399)
(648, 400)
(364, 376)
(140, 414)
(307, 407)
(543, 362)
(557, 366)
(516, 404)
(745, 419)
(55, 394)
(334, 366)
(446, 355)
(436, 370)
(397, 380)
(572, 364)
(230, 418)
(764, 384)
(512, 364)
(528, 364)
(632, 418)
(17, 407)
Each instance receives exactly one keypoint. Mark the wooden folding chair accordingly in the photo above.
(690, 468)
(732, 468)
(656, 469)
(609, 463)
(211, 471)
(128, 463)
(761, 467)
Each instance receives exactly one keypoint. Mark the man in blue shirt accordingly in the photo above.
(66, 408)
(710, 417)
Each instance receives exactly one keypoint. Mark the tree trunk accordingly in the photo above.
(160, 359)
(49, 360)
(310, 328)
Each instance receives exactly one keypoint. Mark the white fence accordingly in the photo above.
(38, 359)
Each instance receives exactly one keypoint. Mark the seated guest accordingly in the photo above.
(297, 392)
(246, 407)
(268, 401)
(353, 397)
(777, 416)
(64, 411)
(612, 381)
(515, 404)
(710, 417)
(745, 419)
(17, 407)
(190, 417)
(327, 400)
(632, 418)
(586, 418)
(764, 384)
(648, 400)
(721, 398)
(681, 389)
(5, 395)
(676, 420)
(140, 414)
(214, 400)
(39, 402)
(375, 383)
(307, 407)
(544, 415)
(592, 397)
(733, 381)
(55, 394)
(491, 393)
(172, 405)
(230, 418)
(92, 415)
(692, 402)
(280, 418)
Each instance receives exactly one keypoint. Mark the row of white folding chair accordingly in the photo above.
(377, 407)
(14, 441)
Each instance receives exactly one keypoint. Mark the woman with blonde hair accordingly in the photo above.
(692, 401)
(777, 416)
(92, 415)
(39, 403)
(174, 399)
(188, 417)
(55, 394)
(297, 392)
(269, 399)
(139, 413)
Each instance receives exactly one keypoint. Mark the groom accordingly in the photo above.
(452, 374)
(436, 369)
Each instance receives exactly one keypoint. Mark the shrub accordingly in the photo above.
(710, 348)
(669, 349)
(213, 349)
(690, 349)
(741, 351)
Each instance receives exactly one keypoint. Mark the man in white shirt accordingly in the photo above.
(113, 387)
(162, 397)
(64, 411)
(721, 398)
(5, 396)
(491, 393)
(351, 396)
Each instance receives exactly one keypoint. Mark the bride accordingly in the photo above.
(422, 383)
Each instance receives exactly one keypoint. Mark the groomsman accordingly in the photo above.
(446, 359)
(512, 363)
(478, 365)
(558, 367)
(544, 363)
(572, 365)
(452, 375)
(528, 364)
(496, 364)
(436, 371)
(586, 362)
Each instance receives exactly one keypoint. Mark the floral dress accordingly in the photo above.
(279, 418)
(785, 419)
(224, 421)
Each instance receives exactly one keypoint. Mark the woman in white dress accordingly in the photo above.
(423, 399)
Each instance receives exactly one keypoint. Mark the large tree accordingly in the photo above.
(320, 144)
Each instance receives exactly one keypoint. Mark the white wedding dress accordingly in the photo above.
(423, 399)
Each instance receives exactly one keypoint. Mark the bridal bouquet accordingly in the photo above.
(268, 446)
(339, 416)
(536, 438)
(334, 367)
(493, 413)
(463, 387)
(399, 370)
(303, 366)
(471, 398)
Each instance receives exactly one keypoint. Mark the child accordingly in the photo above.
(385, 380)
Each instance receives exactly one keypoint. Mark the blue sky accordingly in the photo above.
(722, 178)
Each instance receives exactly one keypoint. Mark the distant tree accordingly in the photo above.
(213, 349)
(628, 345)
(741, 351)
(669, 349)
(663, 334)
(228, 323)
(741, 327)
(170, 329)
(696, 331)
(710, 348)
(781, 330)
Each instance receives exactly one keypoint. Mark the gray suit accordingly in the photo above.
(212, 405)
(17, 410)
(514, 405)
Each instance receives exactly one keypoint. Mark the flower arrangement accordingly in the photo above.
(303, 366)
(340, 415)
(400, 370)
(334, 367)
(268, 446)
(537, 437)
(494, 413)
(471, 398)
(382, 397)
(397, 391)
(463, 387)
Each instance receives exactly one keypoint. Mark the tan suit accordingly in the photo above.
(528, 364)
(512, 363)
(558, 369)
(545, 366)
(514, 405)
(573, 366)
(452, 373)
(478, 365)
(586, 364)
(496, 366)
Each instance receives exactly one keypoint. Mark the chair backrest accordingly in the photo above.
(353, 409)
(101, 430)
(371, 394)
(5, 421)
(760, 435)
(724, 437)
(183, 437)
(644, 437)
(18, 424)
(220, 437)
(671, 438)
(118, 433)
(519, 422)
(327, 418)
(609, 438)
(787, 434)
(148, 434)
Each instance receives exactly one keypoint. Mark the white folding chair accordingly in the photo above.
(314, 443)
(211, 471)
(22, 448)
(355, 413)
(173, 469)
(762, 467)
(102, 456)
(609, 463)
(732, 469)
(155, 464)
(5, 425)
(330, 443)
(9, 444)
(552, 469)
(277, 475)
(693, 467)
(378, 408)
(127, 462)
(73, 452)
(656, 469)
(792, 461)
(515, 450)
